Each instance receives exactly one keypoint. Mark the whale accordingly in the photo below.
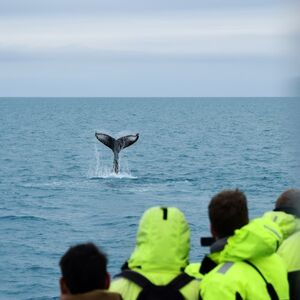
(116, 145)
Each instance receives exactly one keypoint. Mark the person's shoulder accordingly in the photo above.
(121, 283)
(193, 270)
(116, 283)
(191, 290)
(221, 282)
(231, 278)
(289, 252)
(130, 290)
(238, 272)
(293, 239)
(225, 273)
(126, 288)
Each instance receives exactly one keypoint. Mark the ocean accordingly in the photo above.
(57, 188)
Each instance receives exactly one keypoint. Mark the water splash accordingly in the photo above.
(100, 169)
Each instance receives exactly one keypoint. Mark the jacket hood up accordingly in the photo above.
(261, 237)
(162, 242)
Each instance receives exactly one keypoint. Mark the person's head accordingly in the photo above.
(227, 212)
(163, 241)
(83, 269)
(289, 202)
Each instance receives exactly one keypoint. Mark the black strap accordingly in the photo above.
(180, 281)
(272, 293)
(294, 282)
(136, 277)
(177, 283)
(238, 296)
(125, 266)
(207, 265)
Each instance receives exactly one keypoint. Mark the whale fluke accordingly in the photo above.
(106, 140)
(116, 145)
(127, 140)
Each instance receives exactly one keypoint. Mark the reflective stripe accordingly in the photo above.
(274, 231)
(225, 267)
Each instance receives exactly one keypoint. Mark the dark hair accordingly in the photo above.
(83, 268)
(228, 211)
(289, 199)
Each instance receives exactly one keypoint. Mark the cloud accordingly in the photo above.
(175, 35)
(138, 52)
(46, 7)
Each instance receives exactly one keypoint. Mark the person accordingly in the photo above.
(84, 274)
(288, 203)
(155, 268)
(242, 263)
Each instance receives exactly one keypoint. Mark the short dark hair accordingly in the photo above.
(289, 199)
(83, 268)
(228, 211)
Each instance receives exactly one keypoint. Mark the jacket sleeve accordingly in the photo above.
(127, 289)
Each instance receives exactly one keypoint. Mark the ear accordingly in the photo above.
(63, 287)
(107, 281)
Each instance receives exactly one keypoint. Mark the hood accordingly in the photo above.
(162, 242)
(261, 237)
(287, 223)
(94, 295)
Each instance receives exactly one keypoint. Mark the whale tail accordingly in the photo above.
(116, 145)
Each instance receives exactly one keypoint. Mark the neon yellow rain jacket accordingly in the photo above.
(161, 253)
(290, 252)
(236, 277)
(290, 248)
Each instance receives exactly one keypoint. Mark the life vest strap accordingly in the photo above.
(271, 291)
(177, 283)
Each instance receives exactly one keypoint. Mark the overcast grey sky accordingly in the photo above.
(145, 48)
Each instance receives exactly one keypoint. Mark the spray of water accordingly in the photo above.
(103, 169)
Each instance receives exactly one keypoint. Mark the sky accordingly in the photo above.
(138, 48)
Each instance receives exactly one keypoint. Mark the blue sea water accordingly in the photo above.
(57, 188)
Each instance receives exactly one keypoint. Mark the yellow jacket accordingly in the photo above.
(161, 252)
(245, 263)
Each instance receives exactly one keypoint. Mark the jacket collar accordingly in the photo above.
(218, 245)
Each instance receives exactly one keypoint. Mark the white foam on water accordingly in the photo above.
(100, 168)
(114, 175)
